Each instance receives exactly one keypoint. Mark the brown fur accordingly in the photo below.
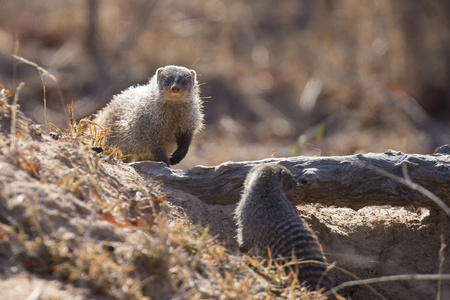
(156, 121)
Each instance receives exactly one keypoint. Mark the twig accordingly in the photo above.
(35, 294)
(14, 116)
(45, 100)
(409, 183)
(388, 279)
(441, 262)
(405, 172)
(322, 277)
(41, 69)
(16, 50)
(335, 267)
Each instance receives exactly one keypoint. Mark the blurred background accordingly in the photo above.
(279, 78)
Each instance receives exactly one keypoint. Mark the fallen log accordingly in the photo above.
(345, 181)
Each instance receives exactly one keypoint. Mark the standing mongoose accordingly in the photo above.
(156, 121)
(267, 220)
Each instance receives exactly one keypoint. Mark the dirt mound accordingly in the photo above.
(73, 225)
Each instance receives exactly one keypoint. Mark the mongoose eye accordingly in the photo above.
(184, 82)
(166, 80)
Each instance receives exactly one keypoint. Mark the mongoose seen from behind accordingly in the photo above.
(267, 220)
(156, 121)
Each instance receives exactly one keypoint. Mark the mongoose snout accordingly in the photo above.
(174, 84)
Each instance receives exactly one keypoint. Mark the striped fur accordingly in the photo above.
(266, 219)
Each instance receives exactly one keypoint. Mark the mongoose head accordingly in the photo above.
(176, 83)
(272, 174)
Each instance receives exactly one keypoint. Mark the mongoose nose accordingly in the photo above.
(175, 88)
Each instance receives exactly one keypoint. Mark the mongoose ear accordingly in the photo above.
(194, 75)
(292, 184)
(159, 73)
(288, 180)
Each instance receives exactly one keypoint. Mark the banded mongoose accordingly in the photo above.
(267, 220)
(156, 121)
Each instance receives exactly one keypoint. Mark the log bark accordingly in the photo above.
(343, 181)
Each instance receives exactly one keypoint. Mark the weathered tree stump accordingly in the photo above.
(343, 181)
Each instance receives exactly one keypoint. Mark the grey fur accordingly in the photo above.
(156, 121)
(266, 219)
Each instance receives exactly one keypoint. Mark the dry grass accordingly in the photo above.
(149, 253)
